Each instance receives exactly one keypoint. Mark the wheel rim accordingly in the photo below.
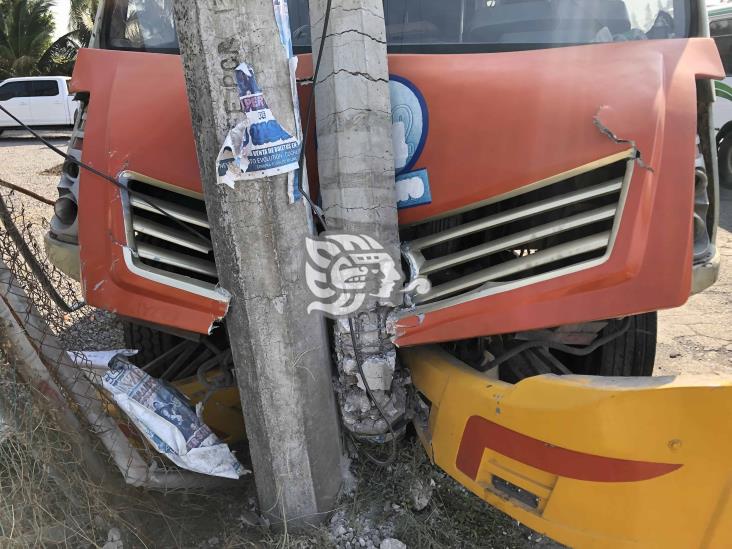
(727, 160)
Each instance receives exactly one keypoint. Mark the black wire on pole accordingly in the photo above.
(359, 365)
(306, 133)
(319, 214)
(106, 177)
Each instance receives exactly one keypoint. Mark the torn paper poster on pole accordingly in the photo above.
(168, 421)
(258, 146)
(282, 16)
(293, 179)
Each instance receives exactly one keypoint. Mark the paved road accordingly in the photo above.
(697, 338)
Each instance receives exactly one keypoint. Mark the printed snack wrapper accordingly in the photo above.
(168, 421)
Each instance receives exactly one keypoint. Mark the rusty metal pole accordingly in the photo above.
(281, 353)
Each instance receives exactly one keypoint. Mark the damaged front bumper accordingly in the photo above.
(705, 274)
(588, 461)
(64, 256)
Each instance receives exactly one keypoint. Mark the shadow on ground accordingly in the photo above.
(19, 138)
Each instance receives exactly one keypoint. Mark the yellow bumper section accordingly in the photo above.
(588, 461)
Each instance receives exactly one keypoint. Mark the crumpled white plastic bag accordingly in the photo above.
(168, 421)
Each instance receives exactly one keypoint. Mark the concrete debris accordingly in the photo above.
(384, 378)
(361, 531)
(350, 482)
(357, 401)
(378, 369)
(361, 416)
(114, 539)
(421, 493)
(392, 543)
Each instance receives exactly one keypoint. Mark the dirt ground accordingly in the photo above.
(695, 338)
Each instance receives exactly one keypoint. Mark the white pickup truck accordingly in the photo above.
(39, 101)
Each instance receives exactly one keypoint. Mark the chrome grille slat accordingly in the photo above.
(169, 234)
(181, 213)
(548, 228)
(164, 247)
(175, 259)
(523, 237)
(517, 214)
(544, 257)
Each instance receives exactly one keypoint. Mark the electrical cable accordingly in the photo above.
(359, 365)
(26, 192)
(306, 134)
(319, 214)
(106, 177)
(581, 351)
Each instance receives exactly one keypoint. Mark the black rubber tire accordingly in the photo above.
(631, 354)
(724, 159)
(149, 343)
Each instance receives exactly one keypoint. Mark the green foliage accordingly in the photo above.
(26, 28)
(81, 16)
(60, 56)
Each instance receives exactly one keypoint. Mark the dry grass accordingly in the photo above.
(383, 506)
(46, 497)
(48, 500)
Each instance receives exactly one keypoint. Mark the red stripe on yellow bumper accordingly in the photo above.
(481, 434)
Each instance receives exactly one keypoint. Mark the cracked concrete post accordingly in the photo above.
(356, 167)
(280, 352)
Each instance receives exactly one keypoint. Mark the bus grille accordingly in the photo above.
(541, 231)
(163, 244)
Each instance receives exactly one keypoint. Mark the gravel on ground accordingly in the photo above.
(29, 164)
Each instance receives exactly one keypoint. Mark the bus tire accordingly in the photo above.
(630, 354)
(148, 342)
(724, 158)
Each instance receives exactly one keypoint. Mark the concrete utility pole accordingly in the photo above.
(281, 352)
(356, 166)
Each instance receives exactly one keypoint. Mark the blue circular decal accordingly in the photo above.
(410, 123)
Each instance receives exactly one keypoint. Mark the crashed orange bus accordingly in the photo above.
(556, 184)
